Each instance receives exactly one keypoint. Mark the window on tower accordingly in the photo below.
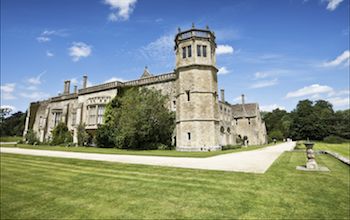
(188, 95)
(198, 50)
(189, 48)
(184, 52)
(204, 51)
(189, 136)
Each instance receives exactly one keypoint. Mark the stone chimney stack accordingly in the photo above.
(75, 89)
(85, 81)
(66, 87)
(222, 91)
(243, 102)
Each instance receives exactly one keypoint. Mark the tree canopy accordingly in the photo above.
(136, 119)
(12, 125)
(315, 120)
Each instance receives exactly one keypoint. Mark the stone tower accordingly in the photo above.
(197, 116)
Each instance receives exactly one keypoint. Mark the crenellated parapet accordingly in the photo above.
(150, 80)
(101, 87)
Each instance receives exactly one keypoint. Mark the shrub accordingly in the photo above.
(105, 136)
(231, 147)
(83, 136)
(31, 137)
(276, 134)
(332, 139)
(61, 135)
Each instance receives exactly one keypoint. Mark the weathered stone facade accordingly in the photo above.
(203, 122)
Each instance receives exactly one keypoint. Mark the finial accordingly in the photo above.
(146, 67)
(207, 27)
(192, 24)
(179, 29)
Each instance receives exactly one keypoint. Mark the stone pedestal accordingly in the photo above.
(311, 164)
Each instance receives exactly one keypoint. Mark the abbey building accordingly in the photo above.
(203, 120)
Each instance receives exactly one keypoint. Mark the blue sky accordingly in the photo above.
(276, 52)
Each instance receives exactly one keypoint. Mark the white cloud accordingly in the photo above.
(223, 71)
(35, 95)
(264, 83)
(312, 90)
(79, 50)
(261, 75)
(12, 108)
(8, 87)
(43, 39)
(333, 4)
(270, 108)
(74, 81)
(45, 36)
(342, 58)
(36, 80)
(159, 50)
(224, 49)
(121, 9)
(113, 79)
(340, 101)
(7, 90)
(49, 54)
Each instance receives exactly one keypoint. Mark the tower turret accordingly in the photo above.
(197, 117)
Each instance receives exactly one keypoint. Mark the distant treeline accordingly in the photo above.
(314, 120)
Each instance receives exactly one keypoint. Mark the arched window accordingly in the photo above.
(229, 130)
(222, 129)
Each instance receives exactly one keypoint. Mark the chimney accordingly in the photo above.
(66, 87)
(84, 81)
(222, 91)
(243, 99)
(75, 89)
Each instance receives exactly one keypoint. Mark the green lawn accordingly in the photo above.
(342, 149)
(170, 153)
(11, 139)
(47, 188)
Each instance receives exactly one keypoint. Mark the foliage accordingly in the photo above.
(139, 120)
(105, 136)
(83, 136)
(13, 125)
(332, 139)
(4, 111)
(31, 137)
(276, 134)
(61, 135)
(313, 120)
(231, 147)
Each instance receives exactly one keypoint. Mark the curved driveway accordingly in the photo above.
(255, 161)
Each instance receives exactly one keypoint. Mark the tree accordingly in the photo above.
(61, 135)
(83, 136)
(4, 111)
(13, 125)
(139, 120)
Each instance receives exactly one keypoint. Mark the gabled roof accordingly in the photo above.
(146, 73)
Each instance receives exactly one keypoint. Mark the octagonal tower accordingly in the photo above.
(197, 116)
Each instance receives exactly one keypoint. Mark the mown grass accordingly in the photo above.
(342, 149)
(11, 139)
(169, 153)
(47, 188)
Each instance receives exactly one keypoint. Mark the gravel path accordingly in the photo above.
(255, 161)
